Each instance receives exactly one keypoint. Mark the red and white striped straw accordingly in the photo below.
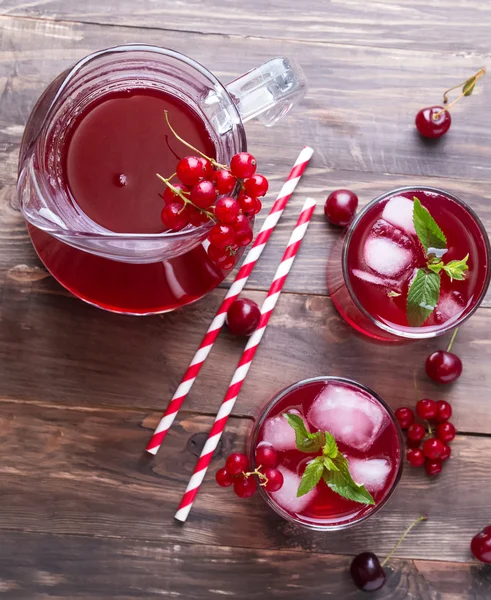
(232, 295)
(246, 360)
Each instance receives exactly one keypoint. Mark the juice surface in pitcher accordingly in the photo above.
(365, 433)
(114, 150)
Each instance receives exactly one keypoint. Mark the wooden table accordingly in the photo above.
(83, 513)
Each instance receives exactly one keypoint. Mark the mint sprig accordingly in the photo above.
(424, 291)
(331, 466)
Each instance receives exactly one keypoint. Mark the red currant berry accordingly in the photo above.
(404, 416)
(243, 165)
(236, 463)
(430, 127)
(445, 432)
(266, 456)
(208, 171)
(481, 545)
(174, 216)
(258, 207)
(443, 411)
(223, 478)
(447, 451)
(257, 185)
(443, 367)
(415, 457)
(433, 467)
(413, 443)
(247, 204)
(227, 210)
(203, 194)
(426, 409)
(415, 432)
(190, 170)
(196, 217)
(244, 239)
(222, 236)
(243, 316)
(241, 224)
(171, 196)
(224, 181)
(218, 255)
(244, 487)
(340, 207)
(275, 480)
(433, 448)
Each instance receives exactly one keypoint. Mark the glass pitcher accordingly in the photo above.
(135, 273)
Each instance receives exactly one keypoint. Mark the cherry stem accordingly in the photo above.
(213, 162)
(474, 78)
(424, 518)
(452, 339)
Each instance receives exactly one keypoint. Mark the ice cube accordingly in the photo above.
(390, 284)
(387, 258)
(399, 212)
(449, 305)
(286, 496)
(279, 433)
(384, 229)
(351, 416)
(372, 473)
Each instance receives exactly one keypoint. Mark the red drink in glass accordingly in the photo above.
(370, 273)
(366, 432)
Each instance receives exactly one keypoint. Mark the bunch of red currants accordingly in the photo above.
(435, 449)
(203, 194)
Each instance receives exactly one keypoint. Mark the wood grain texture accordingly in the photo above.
(81, 471)
(450, 25)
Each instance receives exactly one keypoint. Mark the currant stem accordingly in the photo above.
(424, 518)
(428, 429)
(264, 480)
(176, 191)
(452, 339)
(213, 162)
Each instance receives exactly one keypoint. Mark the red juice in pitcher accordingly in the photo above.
(366, 434)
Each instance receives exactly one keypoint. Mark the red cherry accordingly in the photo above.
(196, 217)
(190, 170)
(340, 207)
(203, 194)
(243, 316)
(227, 210)
(426, 409)
(224, 181)
(447, 451)
(433, 467)
(275, 480)
(223, 478)
(404, 416)
(236, 463)
(222, 236)
(433, 448)
(241, 224)
(171, 196)
(244, 487)
(266, 456)
(481, 545)
(416, 432)
(445, 432)
(443, 367)
(243, 165)
(367, 573)
(430, 127)
(174, 216)
(257, 185)
(415, 457)
(443, 411)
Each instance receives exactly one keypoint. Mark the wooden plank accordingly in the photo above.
(81, 471)
(358, 115)
(437, 25)
(65, 567)
(54, 348)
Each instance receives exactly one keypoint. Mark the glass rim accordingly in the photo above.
(419, 333)
(277, 398)
(122, 48)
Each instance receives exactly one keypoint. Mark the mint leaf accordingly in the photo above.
(435, 266)
(306, 442)
(342, 483)
(429, 233)
(422, 297)
(330, 464)
(330, 448)
(456, 269)
(311, 477)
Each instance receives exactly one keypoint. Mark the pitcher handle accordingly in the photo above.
(268, 92)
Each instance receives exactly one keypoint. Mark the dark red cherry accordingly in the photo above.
(430, 127)
(340, 207)
(443, 367)
(367, 572)
(481, 545)
(243, 316)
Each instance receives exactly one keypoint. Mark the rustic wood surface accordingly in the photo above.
(84, 513)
